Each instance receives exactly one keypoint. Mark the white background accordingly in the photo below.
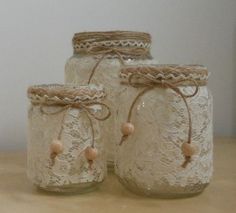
(35, 41)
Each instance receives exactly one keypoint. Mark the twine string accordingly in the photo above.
(150, 84)
(85, 107)
(119, 51)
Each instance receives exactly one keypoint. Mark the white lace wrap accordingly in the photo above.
(107, 74)
(150, 159)
(71, 168)
(78, 69)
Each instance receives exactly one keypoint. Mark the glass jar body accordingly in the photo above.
(77, 71)
(149, 161)
(70, 171)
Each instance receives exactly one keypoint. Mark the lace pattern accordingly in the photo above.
(77, 71)
(151, 158)
(71, 167)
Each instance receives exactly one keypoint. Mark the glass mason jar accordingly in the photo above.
(97, 58)
(65, 145)
(166, 139)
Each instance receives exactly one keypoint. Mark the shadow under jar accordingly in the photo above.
(65, 146)
(166, 139)
(98, 57)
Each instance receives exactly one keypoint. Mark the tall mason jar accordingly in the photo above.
(98, 57)
(166, 139)
(65, 144)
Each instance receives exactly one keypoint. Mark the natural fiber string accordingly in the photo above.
(119, 51)
(153, 83)
(65, 108)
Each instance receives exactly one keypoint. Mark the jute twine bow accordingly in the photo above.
(151, 84)
(85, 106)
(119, 51)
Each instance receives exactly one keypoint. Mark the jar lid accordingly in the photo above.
(85, 41)
(64, 94)
(169, 72)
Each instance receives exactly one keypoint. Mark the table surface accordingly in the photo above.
(18, 195)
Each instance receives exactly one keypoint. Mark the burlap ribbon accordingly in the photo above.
(149, 83)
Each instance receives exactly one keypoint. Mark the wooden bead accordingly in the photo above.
(189, 149)
(127, 128)
(56, 147)
(91, 153)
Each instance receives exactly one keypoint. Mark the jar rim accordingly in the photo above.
(169, 72)
(161, 66)
(65, 93)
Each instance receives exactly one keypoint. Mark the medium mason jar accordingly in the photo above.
(166, 139)
(97, 58)
(65, 145)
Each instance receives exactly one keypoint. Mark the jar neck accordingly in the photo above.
(114, 51)
(112, 56)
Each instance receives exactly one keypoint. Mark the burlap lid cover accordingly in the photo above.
(125, 42)
(64, 94)
(111, 36)
(169, 72)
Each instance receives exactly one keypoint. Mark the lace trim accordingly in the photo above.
(119, 43)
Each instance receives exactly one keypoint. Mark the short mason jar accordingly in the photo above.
(65, 144)
(166, 139)
(97, 58)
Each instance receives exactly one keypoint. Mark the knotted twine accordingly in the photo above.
(65, 107)
(152, 83)
(119, 51)
(67, 97)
